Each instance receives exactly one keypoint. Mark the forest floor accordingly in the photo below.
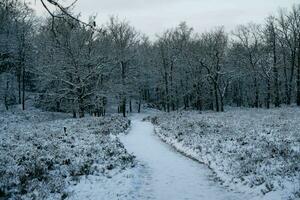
(161, 173)
(249, 150)
(44, 155)
(248, 154)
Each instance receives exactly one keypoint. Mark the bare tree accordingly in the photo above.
(250, 38)
(272, 41)
(73, 63)
(124, 40)
(214, 45)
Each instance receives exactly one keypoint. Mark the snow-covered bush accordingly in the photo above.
(253, 148)
(39, 155)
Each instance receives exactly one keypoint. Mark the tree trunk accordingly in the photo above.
(167, 97)
(167, 101)
(74, 114)
(81, 112)
(123, 71)
(298, 83)
(177, 99)
(199, 98)
(130, 106)
(23, 88)
(199, 103)
(290, 85)
(268, 100)
(57, 106)
(148, 95)
(256, 102)
(5, 97)
(19, 85)
(124, 107)
(216, 97)
(139, 106)
(172, 87)
(211, 105)
(173, 105)
(275, 71)
(81, 107)
(286, 85)
(298, 74)
(221, 103)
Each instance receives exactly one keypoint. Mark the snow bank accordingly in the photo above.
(252, 150)
(41, 153)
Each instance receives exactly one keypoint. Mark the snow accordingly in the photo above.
(130, 183)
(39, 160)
(118, 185)
(183, 156)
(250, 150)
(171, 175)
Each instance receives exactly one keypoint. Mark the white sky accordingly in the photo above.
(154, 16)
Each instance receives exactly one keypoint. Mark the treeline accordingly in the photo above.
(85, 68)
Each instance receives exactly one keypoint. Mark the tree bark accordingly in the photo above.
(74, 114)
(275, 71)
(211, 99)
(172, 87)
(23, 88)
(19, 85)
(286, 85)
(290, 85)
(256, 102)
(268, 100)
(216, 97)
(221, 103)
(5, 97)
(167, 97)
(124, 106)
(81, 108)
(130, 106)
(139, 106)
(123, 71)
(298, 74)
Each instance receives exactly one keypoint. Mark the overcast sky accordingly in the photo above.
(155, 16)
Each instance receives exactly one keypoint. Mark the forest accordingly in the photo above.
(106, 112)
(83, 68)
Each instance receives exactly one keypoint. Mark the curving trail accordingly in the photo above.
(170, 175)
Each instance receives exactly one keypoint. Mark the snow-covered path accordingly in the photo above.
(170, 174)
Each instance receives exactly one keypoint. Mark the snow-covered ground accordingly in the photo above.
(167, 173)
(127, 184)
(47, 155)
(44, 155)
(251, 150)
